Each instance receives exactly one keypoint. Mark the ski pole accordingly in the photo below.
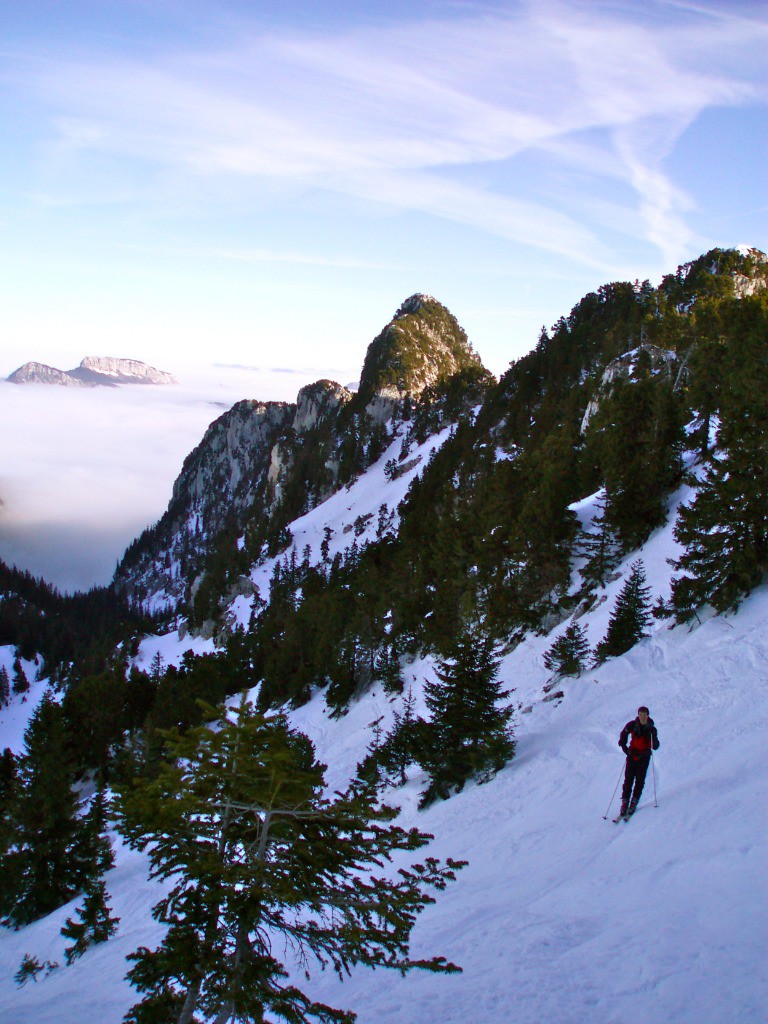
(653, 770)
(605, 816)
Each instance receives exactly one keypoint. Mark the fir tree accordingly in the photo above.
(725, 528)
(568, 654)
(39, 871)
(468, 736)
(402, 745)
(20, 681)
(92, 851)
(5, 687)
(630, 617)
(601, 549)
(95, 925)
(389, 669)
(30, 968)
(9, 784)
(237, 823)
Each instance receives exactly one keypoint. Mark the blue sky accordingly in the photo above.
(264, 183)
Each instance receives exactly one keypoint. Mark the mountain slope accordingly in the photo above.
(560, 915)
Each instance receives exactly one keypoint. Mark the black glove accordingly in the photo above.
(624, 749)
(655, 744)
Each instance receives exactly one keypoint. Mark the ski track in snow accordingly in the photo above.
(560, 916)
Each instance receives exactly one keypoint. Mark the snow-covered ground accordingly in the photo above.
(560, 916)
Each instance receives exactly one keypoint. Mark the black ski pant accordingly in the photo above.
(634, 775)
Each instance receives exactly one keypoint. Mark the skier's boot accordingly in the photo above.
(631, 809)
(622, 812)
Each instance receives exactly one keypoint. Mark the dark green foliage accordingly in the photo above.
(38, 870)
(20, 681)
(9, 785)
(725, 528)
(568, 654)
(237, 824)
(630, 617)
(94, 711)
(96, 924)
(468, 735)
(31, 968)
(389, 757)
(406, 350)
(5, 687)
(80, 630)
(92, 851)
(601, 548)
(405, 742)
(636, 440)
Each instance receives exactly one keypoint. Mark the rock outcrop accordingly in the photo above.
(108, 370)
(93, 371)
(40, 373)
(422, 346)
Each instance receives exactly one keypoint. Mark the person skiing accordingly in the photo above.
(642, 736)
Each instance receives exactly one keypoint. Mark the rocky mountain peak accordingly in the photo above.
(421, 346)
(317, 401)
(41, 373)
(92, 371)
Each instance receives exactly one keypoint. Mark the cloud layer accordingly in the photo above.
(83, 471)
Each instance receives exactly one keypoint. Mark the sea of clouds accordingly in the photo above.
(84, 470)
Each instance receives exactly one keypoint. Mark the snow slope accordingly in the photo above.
(560, 916)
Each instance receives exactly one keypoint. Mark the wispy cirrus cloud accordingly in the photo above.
(438, 116)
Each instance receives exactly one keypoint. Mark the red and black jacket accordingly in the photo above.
(642, 739)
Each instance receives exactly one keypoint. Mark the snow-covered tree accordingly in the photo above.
(259, 860)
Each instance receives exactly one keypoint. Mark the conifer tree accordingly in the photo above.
(92, 852)
(389, 668)
(402, 745)
(8, 798)
(20, 681)
(5, 687)
(725, 528)
(96, 924)
(601, 548)
(31, 967)
(630, 617)
(568, 654)
(38, 870)
(236, 822)
(468, 736)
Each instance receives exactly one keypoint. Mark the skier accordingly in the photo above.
(643, 738)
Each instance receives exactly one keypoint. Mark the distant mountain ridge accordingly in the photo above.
(93, 371)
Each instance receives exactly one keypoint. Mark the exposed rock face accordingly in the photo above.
(91, 372)
(108, 370)
(656, 360)
(740, 272)
(40, 373)
(316, 402)
(422, 346)
(219, 481)
(219, 473)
